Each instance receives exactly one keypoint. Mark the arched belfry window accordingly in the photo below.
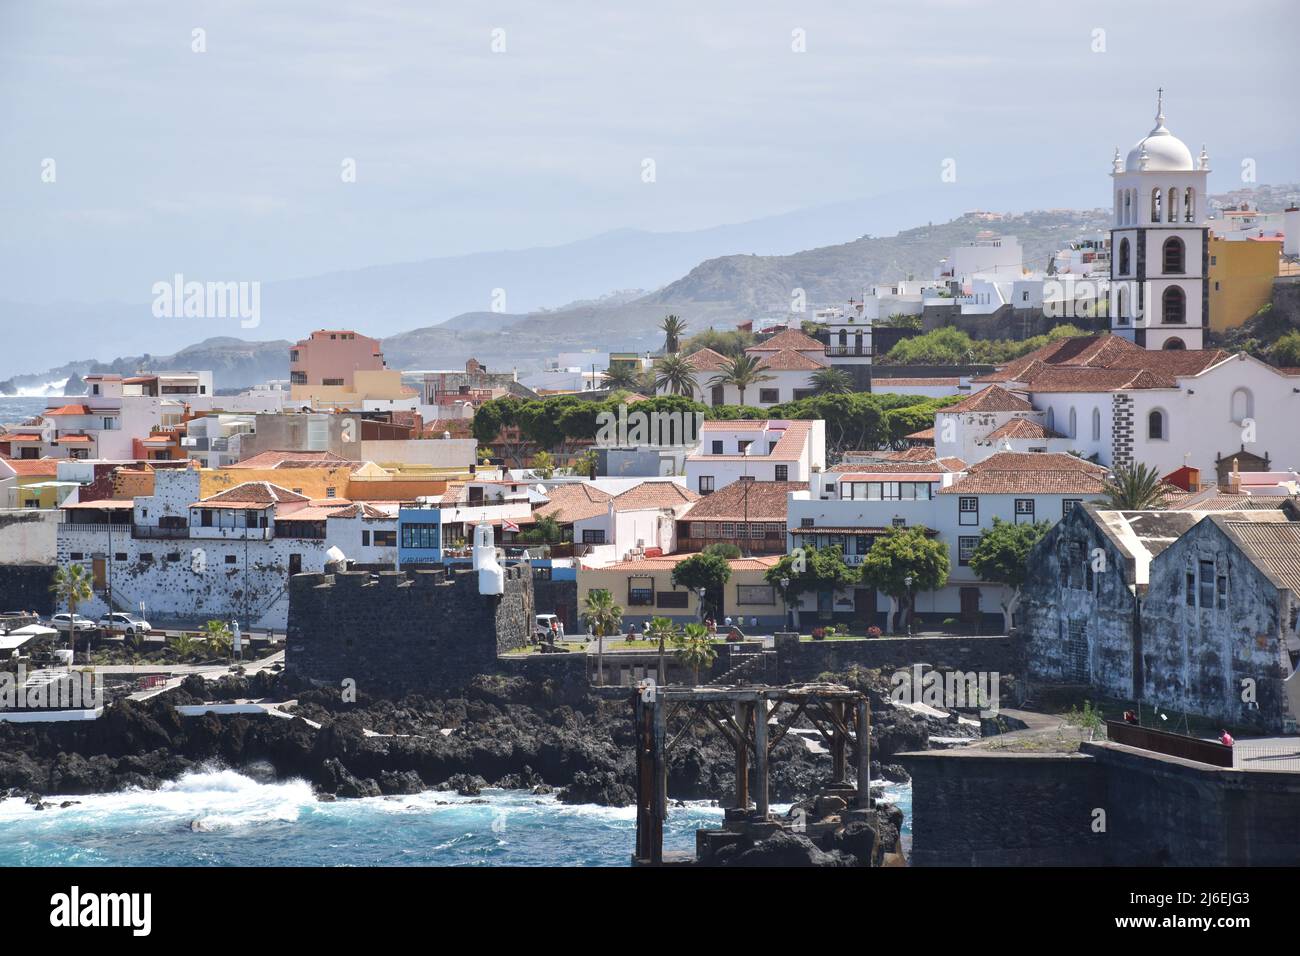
(1189, 205)
(1174, 306)
(1174, 255)
(1121, 316)
(1124, 257)
(1156, 425)
(1157, 199)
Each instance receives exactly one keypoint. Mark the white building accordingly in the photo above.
(763, 449)
(1159, 242)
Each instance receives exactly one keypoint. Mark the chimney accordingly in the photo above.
(1234, 479)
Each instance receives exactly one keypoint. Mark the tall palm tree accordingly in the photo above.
(1134, 488)
(695, 649)
(622, 375)
(663, 630)
(742, 371)
(72, 587)
(831, 381)
(219, 637)
(604, 617)
(672, 327)
(677, 375)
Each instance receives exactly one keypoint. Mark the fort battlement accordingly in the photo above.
(396, 632)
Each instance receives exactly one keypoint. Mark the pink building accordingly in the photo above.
(331, 357)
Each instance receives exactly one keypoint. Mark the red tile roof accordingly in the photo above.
(1104, 352)
(575, 502)
(995, 398)
(299, 459)
(1048, 473)
(69, 410)
(788, 360)
(895, 382)
(746, 501)
(21, 436)
(1022, 428)
(669, 561)
(707, 360)
(789, 339)
(34, 467)
(788, 447)
(654, 494)
(252, 493)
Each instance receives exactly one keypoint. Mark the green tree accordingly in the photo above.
(221, 640)
(545, 530)
(831, 381)
(544, 464)
(604, 617)
(663, 630)
(185, 647)
(675, 375)
(742, 372)
(902, 562)
(1002, 555)
(1285, 352)
(622, 375)
(731, 342)
(1134, 488)
(810, 570)
(695, 648)
(672, 328)
(704, 570)
(72, 588)
(723, 549)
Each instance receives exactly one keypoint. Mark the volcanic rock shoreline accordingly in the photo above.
(514, 733)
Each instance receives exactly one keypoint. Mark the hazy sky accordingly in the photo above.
(226, 164)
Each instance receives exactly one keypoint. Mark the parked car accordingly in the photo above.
(128, 624)
(71, 622)
(546, 628)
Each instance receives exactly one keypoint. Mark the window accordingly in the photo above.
(1156, 426)
(968, 510)
(640, 592)
(1173, 255)
(672, 598)
(230, 559)
(1190, 595)
(1223, 592)
(1207, 584)
(706, 484)
(593, 536)
(1123, 257)
(768, 396)
(717, 448)
(1025, 510)
(329, 492)
(806, 522)
(420, 536)
(1096, 424)
(781, 473)
(755, 594)
(1068, 505)
(146, 557)
(1243, 405)
(966, 545)
(385, 539)
(173, 556)
(900, 522)
(1174, 306)
(119, 556)
(331, 381)
(77, 556)
(365, 539)
(1074, 424)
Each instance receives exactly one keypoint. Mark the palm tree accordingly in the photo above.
(72, 587)
(677, 375)
(184, 647)
(661, 629)
(695, 650)
(603, 617)
(672, 327)
(742, 372)
(831, 381)
(622, 375)
(219, 637)
(1134, 488)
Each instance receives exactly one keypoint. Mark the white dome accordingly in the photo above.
(1165, 152)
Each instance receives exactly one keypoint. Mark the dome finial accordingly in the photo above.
(1160, 105)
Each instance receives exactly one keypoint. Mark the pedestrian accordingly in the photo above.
(1225, 738)
(1130, 717)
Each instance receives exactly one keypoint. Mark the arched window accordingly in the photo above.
(1156, 426)
(1174, 306)
(1157, 198)
(1173, 255)
(1173, 344)
(844, 338)
(1096, 424)
(1051, 418)
(1123, 257)
(1121, 316)
(1243, 405)
(1074, 424)
(1172, 209)
(1128, 207)
(1189, 205)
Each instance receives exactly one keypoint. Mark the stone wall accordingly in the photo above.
(408, 632)
(26, 587)
(805, 660)
(559, 598)
(991, 808)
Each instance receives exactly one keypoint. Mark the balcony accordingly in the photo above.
(834, 350)
(158, 531)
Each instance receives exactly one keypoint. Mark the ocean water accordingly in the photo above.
(220, 817)
(17, 409)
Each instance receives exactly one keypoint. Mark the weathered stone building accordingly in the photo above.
(404, 632)
(1190, 610)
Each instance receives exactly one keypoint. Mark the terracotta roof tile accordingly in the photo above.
(569, 503)
(789, 339)
(995, 398)
(706, 360)
(654, 494)
(788, 360)
(1022, 428)
(670, 561)
(252, 492)
(275, 459)
(746, 501)
(1103, 352)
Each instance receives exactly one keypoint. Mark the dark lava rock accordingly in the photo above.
(405, 782)
(603, 788)
(465, 784)
(782, 848)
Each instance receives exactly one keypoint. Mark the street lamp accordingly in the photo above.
(907, 581)
(701, 592)
(785, 600)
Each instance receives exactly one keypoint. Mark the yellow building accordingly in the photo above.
(1241, 278)
(644, 589)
